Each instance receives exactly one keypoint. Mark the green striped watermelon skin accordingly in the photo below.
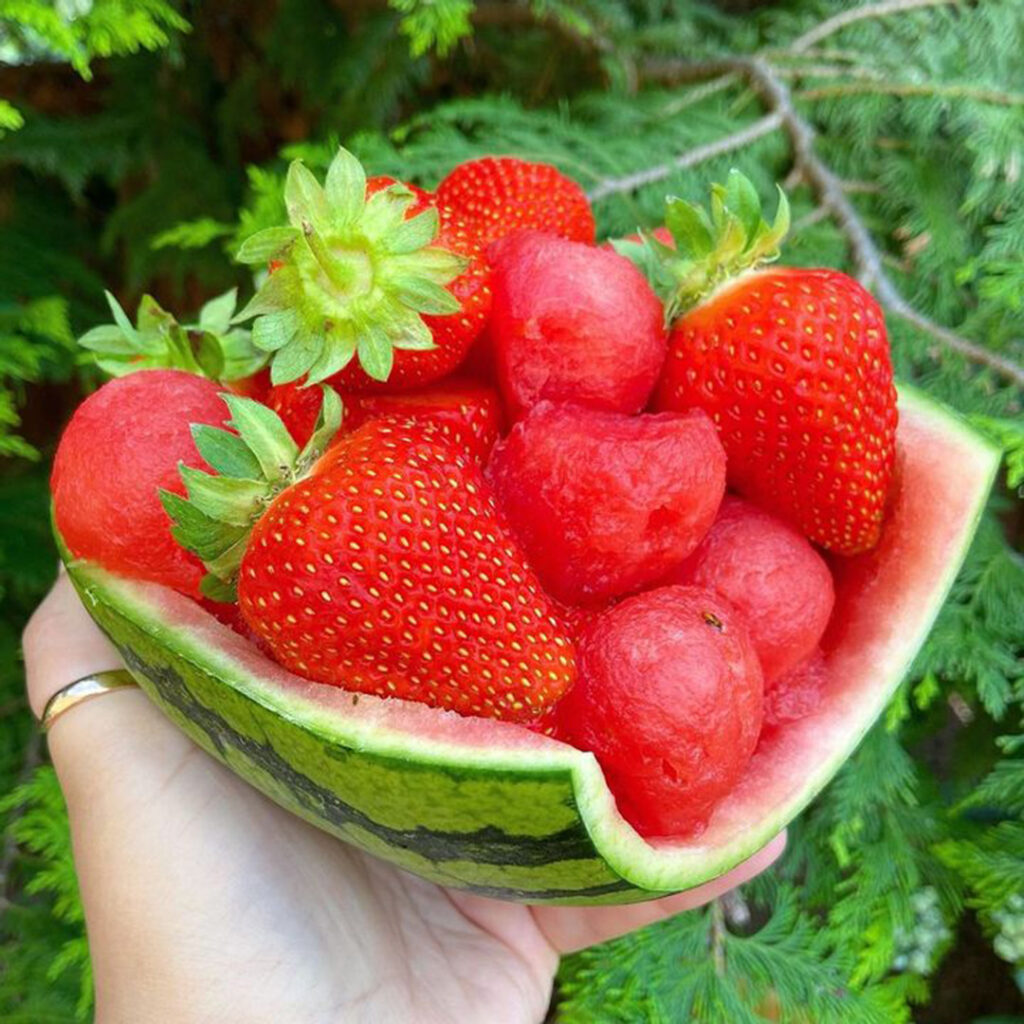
(456, 826)
(494, 809)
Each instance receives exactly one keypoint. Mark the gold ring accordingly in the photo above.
(81, 690)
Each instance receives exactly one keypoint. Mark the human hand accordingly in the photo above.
(205, 902)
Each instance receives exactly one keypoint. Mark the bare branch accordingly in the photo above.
(880, 10)
(700, 154)
(882, 88)
(869, 75)
(816, 216)
(717, 936)
(699, 93)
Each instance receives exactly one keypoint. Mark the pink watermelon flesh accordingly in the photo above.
(603, 503)
(669, 699)
(124, 443)
(771, 575)
(796, 694)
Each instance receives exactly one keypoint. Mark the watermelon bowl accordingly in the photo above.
(494, 808)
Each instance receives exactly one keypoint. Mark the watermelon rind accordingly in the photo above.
(493, 808)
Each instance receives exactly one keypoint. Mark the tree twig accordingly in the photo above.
(717, 936)
(869, 75)
(879, 10)
(699, 93)
(864, 253)
(882, 88)
(700, 154)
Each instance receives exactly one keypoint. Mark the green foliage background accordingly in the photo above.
(142, 137)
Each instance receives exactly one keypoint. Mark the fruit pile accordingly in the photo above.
(495, 468)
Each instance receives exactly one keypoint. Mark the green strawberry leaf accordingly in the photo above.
(345, 188)
(225, 453)
(215, 316)
(252, 464)
(347, 262)
(263, 246)
(712, 246)
(210, 348)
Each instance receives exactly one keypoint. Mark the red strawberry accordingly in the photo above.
(572, 323)
(372, 285)
(498, 195)
(669, 699)
(466, 413)
(771, 576)
(454, 334)
(123, 444)
(603, 503)
(298, 406)
(793, 366)
(385, 569)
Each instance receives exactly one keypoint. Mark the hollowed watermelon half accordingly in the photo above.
(491, 807)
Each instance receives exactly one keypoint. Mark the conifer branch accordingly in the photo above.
(698, 155)
(880, 10)
(871, 85)
(9, 852)
(866, 256)
(864, 253)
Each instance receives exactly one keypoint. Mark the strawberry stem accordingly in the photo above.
(345, 265)
(711, 246)
(252, 463)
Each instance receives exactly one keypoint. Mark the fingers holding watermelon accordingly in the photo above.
(570, 929)
(207, 882)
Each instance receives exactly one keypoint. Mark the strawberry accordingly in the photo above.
(467, 413)
(255, 386)
(372, 285)
(498, 195)
(380, 565)
(793, 365)
(124, 443)
(572, 323)
(422, 199)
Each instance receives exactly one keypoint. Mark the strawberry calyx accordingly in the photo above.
(212, 347)
(252, 462)
(711, 246)
(354, 276)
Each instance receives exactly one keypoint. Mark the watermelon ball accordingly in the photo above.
(669, 700)
(772, 576)
(572, 323)
(122, 446)
(605, 503)
(798, 693)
